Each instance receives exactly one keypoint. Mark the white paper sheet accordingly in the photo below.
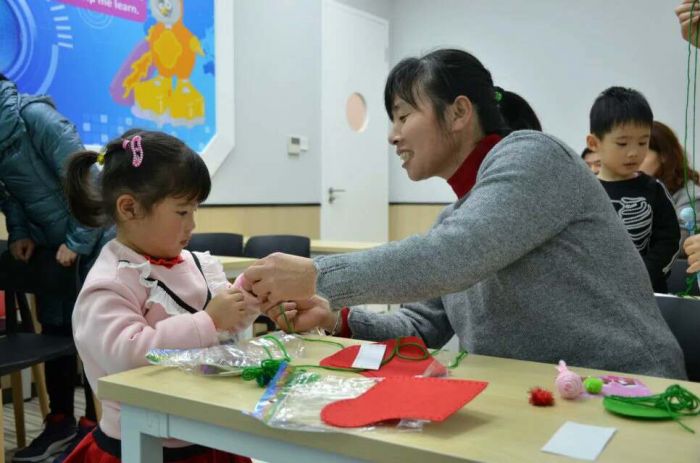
(370, 356)
(579, 440)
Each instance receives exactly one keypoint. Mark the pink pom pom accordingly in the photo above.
(568, 383)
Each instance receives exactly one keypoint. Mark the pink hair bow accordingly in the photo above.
(136, 150)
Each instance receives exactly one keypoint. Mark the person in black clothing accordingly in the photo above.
(49, 251)
(620, 124)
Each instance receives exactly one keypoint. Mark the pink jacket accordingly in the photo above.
(120, 315)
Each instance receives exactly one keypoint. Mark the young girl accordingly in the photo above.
(666, 161)
(144, 291)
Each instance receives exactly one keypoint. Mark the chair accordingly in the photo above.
(218, 244)
(262, 245)
(683, 317)
(677, 279)
(21, 347)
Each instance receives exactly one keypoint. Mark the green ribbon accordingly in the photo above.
(264, 373)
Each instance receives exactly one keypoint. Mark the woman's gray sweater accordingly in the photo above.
(532, 264)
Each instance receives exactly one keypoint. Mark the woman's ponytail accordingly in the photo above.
(516, 111)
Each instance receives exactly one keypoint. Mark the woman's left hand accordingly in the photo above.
(281, 277)
(65, 256)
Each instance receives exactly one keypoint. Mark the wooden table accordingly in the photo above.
(234, 266)
(339, 247)
(498, 426)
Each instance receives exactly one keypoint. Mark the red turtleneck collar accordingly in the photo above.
(464, 179)
(167, 262)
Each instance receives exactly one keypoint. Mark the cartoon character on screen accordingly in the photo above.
(169, 48)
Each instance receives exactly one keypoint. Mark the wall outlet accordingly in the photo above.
(296, 144)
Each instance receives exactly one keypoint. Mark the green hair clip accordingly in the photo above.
(498, 96)
(101, 158)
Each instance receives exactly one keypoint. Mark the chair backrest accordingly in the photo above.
(683, 317)
(262, 245)
(218, 244)
(677, 279)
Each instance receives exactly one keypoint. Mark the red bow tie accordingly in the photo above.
(167, 262)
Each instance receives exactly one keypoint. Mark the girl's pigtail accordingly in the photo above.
(84, 197)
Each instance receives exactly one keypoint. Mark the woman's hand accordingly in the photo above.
(303, 315)
(65, 256)
(281, 277)
(689, 26)
(22, 250)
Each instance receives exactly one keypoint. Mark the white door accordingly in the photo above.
(354, 154)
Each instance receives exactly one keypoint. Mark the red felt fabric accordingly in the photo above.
(397, 366)
(408, 397)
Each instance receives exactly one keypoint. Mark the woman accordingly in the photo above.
(666, 161)
(46, 244)
(530, 262)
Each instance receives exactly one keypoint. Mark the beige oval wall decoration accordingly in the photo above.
(356, 112)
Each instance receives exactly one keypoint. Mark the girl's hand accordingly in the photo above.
(689, 26)
(65, 256)
(230, 311)
(303, 315)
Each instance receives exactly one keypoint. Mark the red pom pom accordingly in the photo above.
(541, 397)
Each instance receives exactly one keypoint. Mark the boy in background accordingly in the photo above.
(620, 125)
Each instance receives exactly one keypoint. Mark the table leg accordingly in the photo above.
(142, 433)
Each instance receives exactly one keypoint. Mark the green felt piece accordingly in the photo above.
(635, 410)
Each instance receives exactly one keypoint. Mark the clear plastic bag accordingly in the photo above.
(230, 359)
(295, 397)
(439, 367)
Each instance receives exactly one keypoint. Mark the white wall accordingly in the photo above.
(381, 8)
(277, 83)
(557, 54)
(277, 61)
